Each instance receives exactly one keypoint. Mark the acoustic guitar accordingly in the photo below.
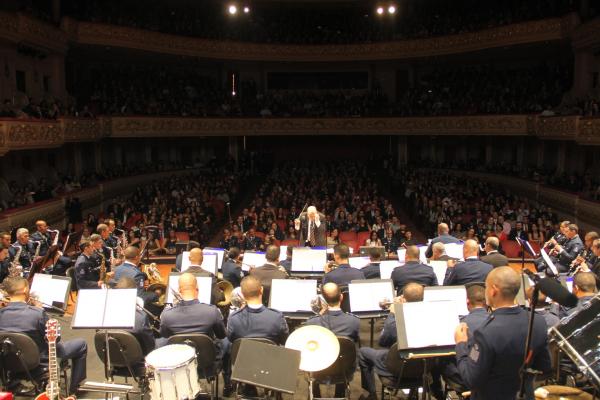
(52, 389)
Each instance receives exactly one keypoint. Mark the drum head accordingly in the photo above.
(170, 356)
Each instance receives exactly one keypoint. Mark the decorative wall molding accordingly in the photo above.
(22, 28)
(23, 134)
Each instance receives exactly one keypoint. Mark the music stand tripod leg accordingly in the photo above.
(372, 324)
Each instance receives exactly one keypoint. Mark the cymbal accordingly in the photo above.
(318, 346)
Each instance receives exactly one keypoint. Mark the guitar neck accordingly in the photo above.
(52, 390)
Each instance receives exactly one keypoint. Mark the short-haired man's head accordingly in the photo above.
(470, 248)
(332, 294)
(126, 282)
(131, 253)
(22, 231)
(272, 253)
(311, 211)
(101, 228)
(342, 251)
(476, 295)
(438, 248)
(413, 292)
(502, 283)
(16, 286)
(251, 288)
(493, 243)
(412, 253)
(573, 228)
(85, 245)
(443, 229)
(196, 256)
(95, 238)
(192, 245)
(374, 254)
(187, 283)
(233, 253)
(585, 282)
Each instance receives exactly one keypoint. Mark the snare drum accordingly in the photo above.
(174, 368)
(578, 336)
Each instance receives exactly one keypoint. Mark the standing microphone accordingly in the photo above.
(553, 290)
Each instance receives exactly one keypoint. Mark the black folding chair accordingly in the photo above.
(407, 374)
(342, 370)
(206, 357)
(126, 356)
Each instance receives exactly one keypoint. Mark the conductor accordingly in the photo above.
(312, 227)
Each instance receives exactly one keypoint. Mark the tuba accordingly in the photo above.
(155, 281)
(227, 289)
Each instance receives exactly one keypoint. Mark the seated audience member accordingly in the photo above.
(337, 321)
(493, 257)
(19, 317)
(469, 271)
(373, 240)
(255, 320)
(372, 270)
(443, 237)
(413, 271)
(373, 361)
(344, 273)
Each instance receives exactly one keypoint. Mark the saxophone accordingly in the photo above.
(103, 275)
(37, 251)
(16, 269)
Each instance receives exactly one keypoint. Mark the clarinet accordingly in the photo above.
(574, 266)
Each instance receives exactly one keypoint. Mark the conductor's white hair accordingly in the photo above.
(22, 231)
(311, 210)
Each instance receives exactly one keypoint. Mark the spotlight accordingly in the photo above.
(380, 10)
(392, 9)
(246, 10)
(232, 9)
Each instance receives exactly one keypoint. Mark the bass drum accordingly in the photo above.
(578, 337)
(174, 372)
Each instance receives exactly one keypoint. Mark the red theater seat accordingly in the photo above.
(347, 236)
(182, 236)
(362, 238)
(511, 249)
(289, 242)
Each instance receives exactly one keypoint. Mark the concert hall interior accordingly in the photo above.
(250, 199)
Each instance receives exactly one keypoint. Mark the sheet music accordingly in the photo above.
(204, 288)
(365, 296)
(439, 269)
(120, 308)
(185, 260)
(401, 255)
(220, 254)
(428, 324)
(50, 289)
(359, 262)
(422, 256)
(454, 250)
(305, 259)
(282, 253)
(549, 262)
(209, 262)
(89, 312)
(291, 295)
(255, 258)
(387, 267)
(456, 294)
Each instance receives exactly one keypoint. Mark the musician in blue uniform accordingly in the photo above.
(344, 273)
(43, 237)
(413, 271)
(559, 238)
(337, 321)
(372, 270)
(105, 245)
(256, 320)
(442, 237)
(23, 247)
(130, 269)
(4, 262)
(87, 268)
(472, 270)
(232, 269)
(191, 316)
(567, 252)
(287, 263)
(490, 362)
(584, 288)
(20, 317)
(373, 360)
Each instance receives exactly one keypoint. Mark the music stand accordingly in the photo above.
(366, 296)
(307, 259)
(266, 366)
(293, 297)
(52, 291)
(426, 330)
(105, 309)
(549, 262)
(366, 250)
(455, 294)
